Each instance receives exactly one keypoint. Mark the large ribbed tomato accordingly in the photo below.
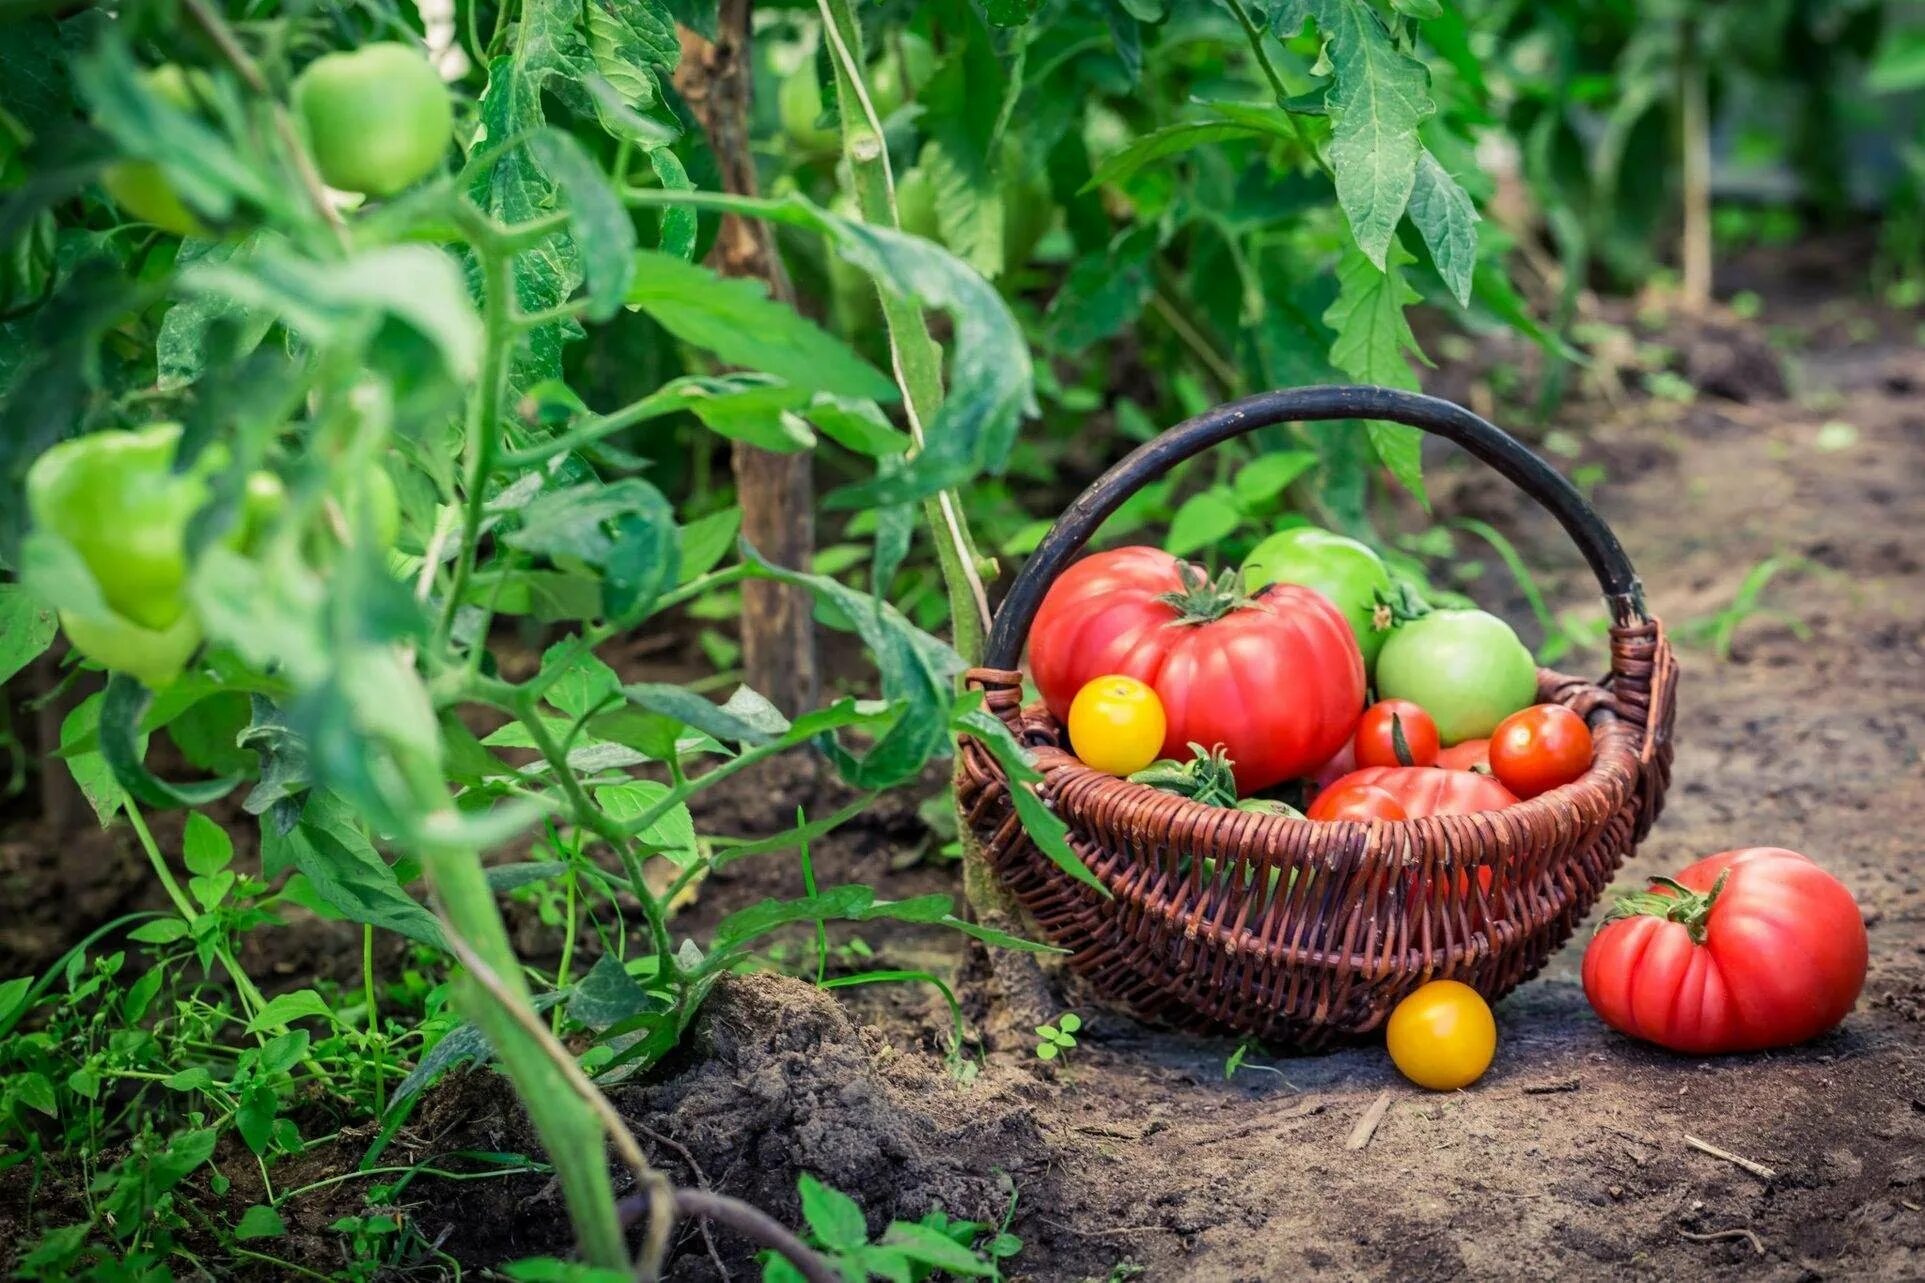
(1275, 678)
(1432, 790)
(1742, 951)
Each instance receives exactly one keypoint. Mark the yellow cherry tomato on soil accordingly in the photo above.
(1442, 1037)
(1116, 724)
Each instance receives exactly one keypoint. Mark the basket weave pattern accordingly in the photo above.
(1356, 915)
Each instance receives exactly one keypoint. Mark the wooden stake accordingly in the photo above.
(776, 491)
(1367, 1125)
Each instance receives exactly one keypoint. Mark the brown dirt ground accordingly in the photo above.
(1568, 1160)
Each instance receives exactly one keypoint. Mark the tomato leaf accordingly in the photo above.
(1373, 336)
(1443, 213)
(603, 232)
(124, 749)
(27, 627)
(346, 872)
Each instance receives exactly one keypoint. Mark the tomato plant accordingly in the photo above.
(1430, 790)
(1275, 678)
(1466, 668)
(1740, 951)
(1540, 748)
(1395, 732)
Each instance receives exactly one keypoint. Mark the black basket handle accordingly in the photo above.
(1623, 592)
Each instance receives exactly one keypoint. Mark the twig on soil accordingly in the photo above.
(1302, 1109)
(1111, 1231)
(745, 1219)
(695, 1170)
(1757, 1169)
(1719, 1236)
(1551, 1089)
(1367, 1125)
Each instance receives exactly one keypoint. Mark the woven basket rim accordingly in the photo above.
(1370, 843)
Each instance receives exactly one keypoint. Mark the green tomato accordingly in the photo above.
(800, 102)
(139, 186)
(905, 67)
(1342, 569)
(154, 655)
(1466, 668)
(379, 117)
(114, 498)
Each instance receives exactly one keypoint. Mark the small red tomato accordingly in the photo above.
(1341, 763)
(1471, 755)
(1357, 802)
(1388, 721)
(1540, 748)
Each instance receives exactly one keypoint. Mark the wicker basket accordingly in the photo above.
(1356, 915)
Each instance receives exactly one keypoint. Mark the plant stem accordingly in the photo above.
(251, 999)
(1254, 34)
(915, 358)
(484, 422)
(374, 1021)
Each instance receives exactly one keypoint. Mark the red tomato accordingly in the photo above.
(1357, 802)
(1540, 748)
(1429, 790)
(1471, 755)
(1276, 678)
(1376, 739)
(1745, 950)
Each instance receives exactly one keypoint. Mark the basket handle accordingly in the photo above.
(1623, 592)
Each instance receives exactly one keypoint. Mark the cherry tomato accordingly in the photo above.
(140, 187)
(1537, 750)
(1442, 1036)
(1357, 802)
(1742, 951)
(1382, 725)
(1471, 755)
(1116, 725)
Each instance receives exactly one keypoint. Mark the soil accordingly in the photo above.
(1570, 1158)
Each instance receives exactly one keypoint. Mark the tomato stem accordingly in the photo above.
(1674, 902)
(1199, 601)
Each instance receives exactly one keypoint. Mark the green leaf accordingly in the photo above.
(690, 709)
(934, 1248)
(1205, 520)
(1899, 65)
(673, 835)
(281, 1011)
(1001, 939)
(345, 871)
(835, 1218)
(1268, 475)
(27, 627)
(97, 781)
(856, 425)
(259, 1221)
(1373, 338)
(678, 225)
(835, 904)
(608, 995)
(602, 229)
(34, 1090)
(1444, 216)
(13, 997)
(123, 705)
(1105, 293)
(336, 301)
(761, 415)
(736, 320)
(159, 931)
(205, 846)
(1171, 140)
(625, 528)
(1380, 97)
(1044, 827)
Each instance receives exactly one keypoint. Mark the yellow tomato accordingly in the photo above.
(1116, 724)
(1442, 1037)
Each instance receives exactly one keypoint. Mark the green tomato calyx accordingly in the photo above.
(1200, 601)
(1676, 903)
(1401, 605)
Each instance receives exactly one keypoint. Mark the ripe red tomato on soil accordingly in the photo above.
(1384, 724)
(1742, 951)
(1361, 802)
(1540, 748)
(1275, 677)
(1430, 790)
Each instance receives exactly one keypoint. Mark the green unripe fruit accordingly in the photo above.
(140, 187)
(378, 118)
(1342, 569)
(1466, 668)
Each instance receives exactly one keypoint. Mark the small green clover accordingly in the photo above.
(1059, 1037)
